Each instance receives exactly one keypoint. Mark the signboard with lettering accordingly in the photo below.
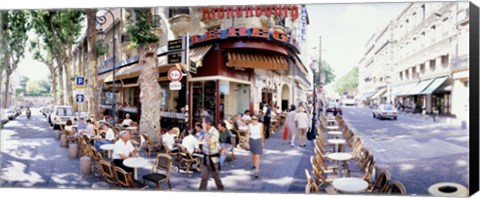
(175, 74)
(303, 23)
(175, 44)
(242, 32)
(174, 58)
(175, 86)
(221, 12)
(80, 82)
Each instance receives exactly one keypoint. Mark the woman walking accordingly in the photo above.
(256, 141)
(302, 120)
(291, 125)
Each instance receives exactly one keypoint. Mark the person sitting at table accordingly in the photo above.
(89, 129)
(225, 140)
(240, 125)
(199, 132)
(69, 127)
(123, 150)
(127, 121)
(81, 125)
(246, 116)
(109, 137)
(190, 142)
(168, 140)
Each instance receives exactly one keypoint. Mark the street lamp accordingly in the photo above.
(315, 68)
(101, 20)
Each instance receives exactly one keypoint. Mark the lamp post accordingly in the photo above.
(314, 114)
(101, 20)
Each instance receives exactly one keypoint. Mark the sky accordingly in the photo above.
(345, 28)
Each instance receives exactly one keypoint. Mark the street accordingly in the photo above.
(417, 152)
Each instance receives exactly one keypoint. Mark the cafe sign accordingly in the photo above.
(242, 32)
(212, 13)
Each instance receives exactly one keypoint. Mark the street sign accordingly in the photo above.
(175, 86)
(175, 74)
(80, 98)
(80, 82)
(174, 58)
(175, 44)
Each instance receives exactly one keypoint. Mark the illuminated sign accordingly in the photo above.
(212, 13)
(241, 32)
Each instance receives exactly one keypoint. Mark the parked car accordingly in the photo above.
(333, 107)
(3, 118)
(385, 111)
(349, 102)
(11, 114)
(46, 110)
(60, 115)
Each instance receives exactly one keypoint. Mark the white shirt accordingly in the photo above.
(121, 147)
(255, 131)
(127, 122)
(110, 135)
(246, 117)
(169, 140)
(190, 143)
(89, 130)
(302, 120)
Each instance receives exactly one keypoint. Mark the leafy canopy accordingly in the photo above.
(141, 29)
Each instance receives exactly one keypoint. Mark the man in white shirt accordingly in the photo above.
(88, 131)
(127, 121)
(109, 137)
(246, 117)
(123, 150)
(169, 140)
(190, 142)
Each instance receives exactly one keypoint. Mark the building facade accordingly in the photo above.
(427, 59)
(240, 56)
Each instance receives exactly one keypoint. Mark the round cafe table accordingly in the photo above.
(335, 133)
(135, 162)
(340, 157)
(332, 127)
(350, 184)
(108, 148)
(448, 189)
(336, 142)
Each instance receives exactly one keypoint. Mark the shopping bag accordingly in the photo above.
(285, 133)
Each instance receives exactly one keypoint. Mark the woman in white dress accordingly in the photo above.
(256, 142)
(291, 125)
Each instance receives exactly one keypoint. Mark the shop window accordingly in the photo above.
(401, 75)
(444, 61)
(432, 65)
(422, 68)
(204, 99)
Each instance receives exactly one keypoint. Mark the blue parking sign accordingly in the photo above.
(80, 98)
(80, 81)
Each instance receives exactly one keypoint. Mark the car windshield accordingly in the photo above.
(388, 107)
(65, 112)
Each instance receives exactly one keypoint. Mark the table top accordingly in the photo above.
(340, 156)
(107, 147)
(452, 190)
(131, 128)
(350, 184)
(333, 127)
(135, 162)
(336, 141)
(335, 133)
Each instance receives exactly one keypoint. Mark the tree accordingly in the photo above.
(92, 65)
(39, 49)
(59, 30)
(33, 88)
(348, 82)
(14, 37)
(325, 71)
(142, 34)
(45, 85)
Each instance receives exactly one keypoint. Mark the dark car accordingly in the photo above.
(334, 108)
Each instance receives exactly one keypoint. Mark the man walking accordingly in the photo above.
(211, 155)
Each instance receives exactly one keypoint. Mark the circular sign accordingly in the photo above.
(175, 74)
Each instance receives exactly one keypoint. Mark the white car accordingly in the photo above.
(385, 111)
(349, 102)
(11, 114)
(60, 115)
(4, 118)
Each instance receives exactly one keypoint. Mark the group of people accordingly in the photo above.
(298, 123)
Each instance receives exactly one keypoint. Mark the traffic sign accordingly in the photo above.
(80, 82)
(175, 86)
(174, 58)
(175, 44)
(80, 98)
(175, 74)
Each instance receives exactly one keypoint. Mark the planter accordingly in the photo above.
(179, 24)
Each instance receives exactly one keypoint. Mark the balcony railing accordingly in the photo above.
(462, 62)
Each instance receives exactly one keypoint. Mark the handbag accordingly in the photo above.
(310, 134)
(285, 133)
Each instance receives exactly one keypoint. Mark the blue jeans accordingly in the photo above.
(223, 157)
(99, 143)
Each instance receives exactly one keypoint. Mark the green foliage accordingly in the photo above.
(34, 88)
(14, 27)
(348, 83)
(100, 48)
(327, 72)
(19, 91)
(45, 85)
(141, 30)
(23, 81)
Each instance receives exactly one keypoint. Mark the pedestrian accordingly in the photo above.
(267, 115)
(210, 150)
(122, 150)
(256, 142)
(302, 121)
(290, 124)
(225, 140)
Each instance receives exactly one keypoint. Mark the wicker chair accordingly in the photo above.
(126, 180)
(381, 183)
(311, 186)
(397, 188)
(107, 172)
(187, 160)
(163, 162)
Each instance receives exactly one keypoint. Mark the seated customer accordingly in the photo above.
(190, 142)
(123, 150)
(199, 132)
(246, 116)
(81, 125)
(168, 140)
(69, 127)
(109, 137)
(225, 140)
(89, 129)
(127, 121)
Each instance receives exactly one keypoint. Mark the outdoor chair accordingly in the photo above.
(381, 183)
(311, 186)
(163, 162)
(396, 188)
(150, 146)
(107, 172)
(187, 160)
(126, 180)
(323, 183)
(242, 138)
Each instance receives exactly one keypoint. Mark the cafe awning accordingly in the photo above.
(366, 95)
(418, 89)
(257, 61)
(402, 90)
(434, 85)
(379, 93)
(197, 54)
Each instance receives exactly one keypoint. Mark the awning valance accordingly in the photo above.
(197, 54)
(418, 89)
(256, 61)
(300, 65)
(435, 85)
(379, 93)
(402, 90)
(366, 95)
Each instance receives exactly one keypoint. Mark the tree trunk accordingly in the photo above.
(60, 82)
(54, 82)
(1, 83)
(68, 85)
(92, 64)
(7, 85)
(149, 92)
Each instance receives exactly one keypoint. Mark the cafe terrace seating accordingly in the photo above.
(163, 162)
